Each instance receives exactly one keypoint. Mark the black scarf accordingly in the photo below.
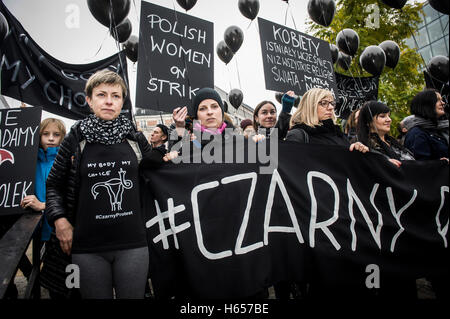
(96, 130)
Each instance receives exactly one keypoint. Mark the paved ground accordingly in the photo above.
(424, 289)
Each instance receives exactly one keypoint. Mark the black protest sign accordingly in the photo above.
(19, 143)
(353, 92)
(294, 61)
(316, 218)
(176, 58)
(31, 75)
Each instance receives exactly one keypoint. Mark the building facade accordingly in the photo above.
(147, 120)
(432, 36)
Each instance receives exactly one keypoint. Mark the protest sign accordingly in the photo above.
(176, 58)
(19, 143)
(295, 61)
(353, 92)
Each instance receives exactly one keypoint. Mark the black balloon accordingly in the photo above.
(123, 31)
(249, 8)
(438, 68)
(187, 4)
(347, 41)
(373, 59)
(235, 97)
(4, 28)
(322, 11)
(334, 52)
(233, 37)
(442, 6)
(392, 52)
(224, 52)
(101, 10)
(344, 60)
(131, 48)
(397, 4)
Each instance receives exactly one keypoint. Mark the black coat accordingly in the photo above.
(328, 133)
(63, 180)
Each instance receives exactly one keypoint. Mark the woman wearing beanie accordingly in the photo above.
(93, 196)
(208, 122)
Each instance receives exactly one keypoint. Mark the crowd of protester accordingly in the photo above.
(112, 253)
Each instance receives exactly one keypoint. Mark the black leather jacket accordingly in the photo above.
(63, 180)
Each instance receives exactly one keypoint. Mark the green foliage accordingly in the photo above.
(397, 87)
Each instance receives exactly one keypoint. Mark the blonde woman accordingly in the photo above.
(315, 122)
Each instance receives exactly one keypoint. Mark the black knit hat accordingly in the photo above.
(203, 94)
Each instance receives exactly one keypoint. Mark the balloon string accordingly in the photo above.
(228, 76)
(237, 70)
(249, 24)
(285, 15)
(293, 21)
(423, 60)
(101, 45)
(113, 30)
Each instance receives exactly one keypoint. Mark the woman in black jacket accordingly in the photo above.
(427, 136)
(314, 122)
(209, 124)
(374, 125)
(93, 195)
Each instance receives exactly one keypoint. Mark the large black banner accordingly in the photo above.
(294, 61)
(227, 230)
(19, 143)
(353, 92)
(176, 58)
(31, 75)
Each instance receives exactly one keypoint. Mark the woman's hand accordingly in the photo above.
(179, 116)
(395, 162)
(258, 138)
(170, 156)
(290, 93)
(64, 232)
(358, 146)
(32, 202)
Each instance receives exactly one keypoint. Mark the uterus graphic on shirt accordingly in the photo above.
(115, 188)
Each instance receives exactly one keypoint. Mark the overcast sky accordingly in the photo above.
(54, 25)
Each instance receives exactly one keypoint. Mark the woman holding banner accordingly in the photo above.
(374, 125)
(209, 122)
(314, 122)
(93, 195)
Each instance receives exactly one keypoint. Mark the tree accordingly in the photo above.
(376, 22)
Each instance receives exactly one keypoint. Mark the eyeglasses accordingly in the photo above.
(325, 103)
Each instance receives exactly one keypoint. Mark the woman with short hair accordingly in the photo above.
(93, 195)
